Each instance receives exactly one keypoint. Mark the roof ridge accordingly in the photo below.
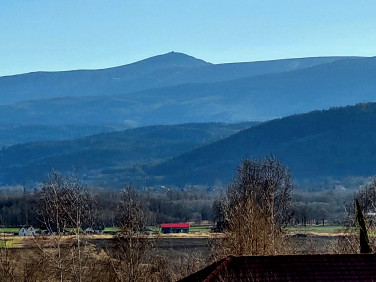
(305, 255)
(215, 273)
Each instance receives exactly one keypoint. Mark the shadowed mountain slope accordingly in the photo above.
(11, 134)
(107, 153)
(335, 143)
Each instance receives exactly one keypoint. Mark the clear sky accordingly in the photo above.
(75, 34)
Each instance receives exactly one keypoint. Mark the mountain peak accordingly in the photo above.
(175, 59)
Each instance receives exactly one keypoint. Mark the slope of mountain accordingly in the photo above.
(335, 143)
(159, 71)
(340, 83)
(231, 71)
(118, 80)
(11, 134)
(107, 154)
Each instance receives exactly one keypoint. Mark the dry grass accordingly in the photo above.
(173, 256)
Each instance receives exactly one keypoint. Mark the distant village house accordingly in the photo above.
(27, 231)
(94, 230)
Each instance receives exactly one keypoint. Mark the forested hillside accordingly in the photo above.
(11, 134)
(334, 143)
(105, 156)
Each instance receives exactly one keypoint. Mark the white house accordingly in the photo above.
(24, 231)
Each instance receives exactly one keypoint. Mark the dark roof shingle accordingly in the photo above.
(349, 267)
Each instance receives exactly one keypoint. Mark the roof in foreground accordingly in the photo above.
(175, 225)
(347, 267)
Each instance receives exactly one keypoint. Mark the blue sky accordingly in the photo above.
(66, 34)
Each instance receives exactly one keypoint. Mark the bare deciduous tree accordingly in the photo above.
(131, 211)
(255, 208)
(64, 203)
(133, 258)
(366, 198)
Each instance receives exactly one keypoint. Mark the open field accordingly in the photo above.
(170, 245)
(202, 229)
(181, 241)
(194, 229)
(309, 229)
(111, 229)
(319, 230)
(314, 238)
(9, 230)
(180, 252)
(11, 242)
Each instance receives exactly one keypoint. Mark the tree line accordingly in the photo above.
(177, 205)
(17, 204)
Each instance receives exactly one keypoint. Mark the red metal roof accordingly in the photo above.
(175, 225)
(354, 267)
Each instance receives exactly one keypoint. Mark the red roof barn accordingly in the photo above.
(175, 228)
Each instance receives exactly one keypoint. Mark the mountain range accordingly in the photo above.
(65, 119)
(261, 97)
(160, 71)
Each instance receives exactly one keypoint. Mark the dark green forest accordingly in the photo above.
(317, 146)
(103, 158)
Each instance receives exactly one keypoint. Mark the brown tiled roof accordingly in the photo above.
(352, 267)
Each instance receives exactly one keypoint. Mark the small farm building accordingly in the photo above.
(27, 231)
(94, 229)
(91, 230)
(175, 228)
